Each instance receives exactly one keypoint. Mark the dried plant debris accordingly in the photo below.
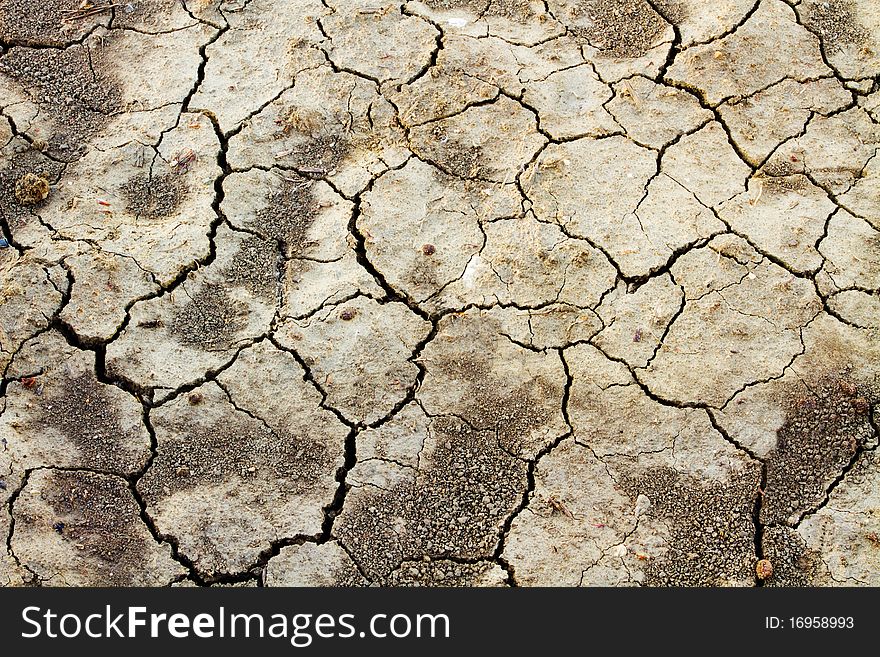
(31, 188)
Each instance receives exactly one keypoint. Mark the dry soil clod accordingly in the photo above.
(31, 188)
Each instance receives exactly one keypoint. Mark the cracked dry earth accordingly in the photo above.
(475, 292)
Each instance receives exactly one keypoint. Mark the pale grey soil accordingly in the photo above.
(468, 293)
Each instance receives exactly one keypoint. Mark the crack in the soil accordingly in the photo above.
(256, 571)
(498, 555)
(759, 494)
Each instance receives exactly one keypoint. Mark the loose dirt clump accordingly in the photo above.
(794, 564)
(98, 516)
(255, 267)
(24, 164)
(75, 91)
(211, 319)
(822, 433)
(835, 22)
(288, 214)
(621, 28)
(453, 507)
(711, 529)
(154, 197)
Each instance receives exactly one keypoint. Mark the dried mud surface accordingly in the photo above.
(440, 293)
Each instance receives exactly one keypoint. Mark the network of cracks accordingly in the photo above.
(469, 293)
